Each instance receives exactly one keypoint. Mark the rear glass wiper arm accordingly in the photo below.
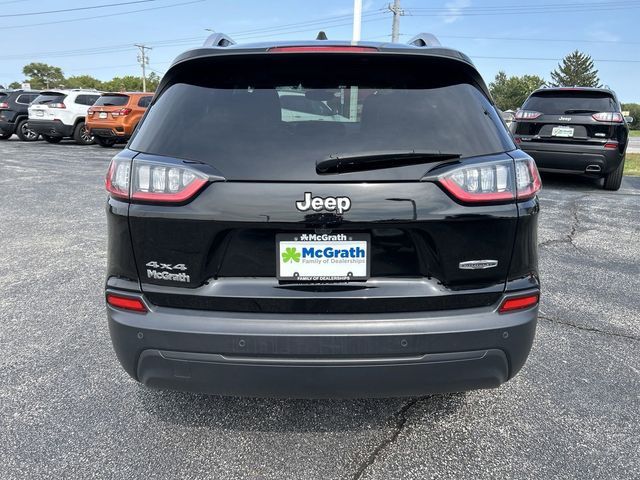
(359, 162)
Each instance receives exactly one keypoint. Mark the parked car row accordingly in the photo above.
(86, 116)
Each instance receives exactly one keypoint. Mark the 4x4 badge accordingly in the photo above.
(331, 204)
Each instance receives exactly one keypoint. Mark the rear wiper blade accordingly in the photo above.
(579, 110)
(363, 161)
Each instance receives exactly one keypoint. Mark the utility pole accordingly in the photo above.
(357, 20)
(395, 27)
(143, 60)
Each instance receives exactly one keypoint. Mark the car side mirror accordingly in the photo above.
(628, 119)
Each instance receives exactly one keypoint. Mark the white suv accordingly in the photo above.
(58, 114)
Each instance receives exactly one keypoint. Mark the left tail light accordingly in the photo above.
(493, 182)
(527, 115)
(153, 181)
(57, 105)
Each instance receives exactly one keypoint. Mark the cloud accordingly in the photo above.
(454, 8)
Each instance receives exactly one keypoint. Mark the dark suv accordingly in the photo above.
(575, 130)
(383, 244)
(14, 114)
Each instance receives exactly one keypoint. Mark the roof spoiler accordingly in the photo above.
(425, 40)
(218, 40)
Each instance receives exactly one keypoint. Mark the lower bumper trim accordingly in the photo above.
(322, 377)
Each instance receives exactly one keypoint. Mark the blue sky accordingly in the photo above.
(496, 34)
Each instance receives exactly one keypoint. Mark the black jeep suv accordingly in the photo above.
(14, 114)
(375, 238)
(575, 130)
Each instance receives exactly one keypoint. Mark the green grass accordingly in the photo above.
(632, 164)
(634, 133)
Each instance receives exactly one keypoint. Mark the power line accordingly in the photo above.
(79, 19)
(30, 14)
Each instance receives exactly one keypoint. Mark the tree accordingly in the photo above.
(83, 81)
(634, 111)
(15, 85)
(510, 93)
(576, 70)
(41, 75)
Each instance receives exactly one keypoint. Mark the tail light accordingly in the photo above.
(612, 117)
(519, 303)
(57, 105)
(90, 112)
(611, 145)
(153, 181)
(493, 182)
(126, 303)
(121, 113)
(527, 115)
(4, 105)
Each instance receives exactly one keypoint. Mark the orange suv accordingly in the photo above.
(114, 116)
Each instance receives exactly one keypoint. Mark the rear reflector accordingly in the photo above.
(344, 49)
(519, 303)
(126, 303)
(611, 145)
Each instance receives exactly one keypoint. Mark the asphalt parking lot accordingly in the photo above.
(69, 411)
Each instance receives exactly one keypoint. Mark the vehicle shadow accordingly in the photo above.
(573, 182)
(286, 415)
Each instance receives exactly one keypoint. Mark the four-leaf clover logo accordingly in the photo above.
(291, 254)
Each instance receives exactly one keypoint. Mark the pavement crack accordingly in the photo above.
(588, 329)
(575, 225)
(400, 420)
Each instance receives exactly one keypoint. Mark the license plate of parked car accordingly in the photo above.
(102, 115)
(315, 257)
(40, 113)
(562, 132)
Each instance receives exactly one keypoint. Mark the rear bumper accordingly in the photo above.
(7, 127)
(322, 356)
(52, 128)
(109, 132)
(573, 158)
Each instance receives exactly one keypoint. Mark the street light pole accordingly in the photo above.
(357, 20)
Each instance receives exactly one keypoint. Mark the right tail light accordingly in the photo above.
(153, 181)
(493, 182)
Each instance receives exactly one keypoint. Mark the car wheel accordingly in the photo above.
(51, 139)
(25, 133)
(105, 142)
(5, 136)
(613, 180)
(82, 136)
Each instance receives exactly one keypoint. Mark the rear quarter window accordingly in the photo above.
(144, 102)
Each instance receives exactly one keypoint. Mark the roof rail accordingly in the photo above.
(218, 40)
(425, 40)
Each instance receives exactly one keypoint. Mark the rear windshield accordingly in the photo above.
(112, 101)
(49, 98)
(566, 102)
(288, 113)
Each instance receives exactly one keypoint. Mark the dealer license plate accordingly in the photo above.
(311, 257)
(102, 115)
(562, 132)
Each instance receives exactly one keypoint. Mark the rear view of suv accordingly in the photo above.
(59, 114)
(14, 114)
(387, 248)
(575, 130)
(114, 116)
